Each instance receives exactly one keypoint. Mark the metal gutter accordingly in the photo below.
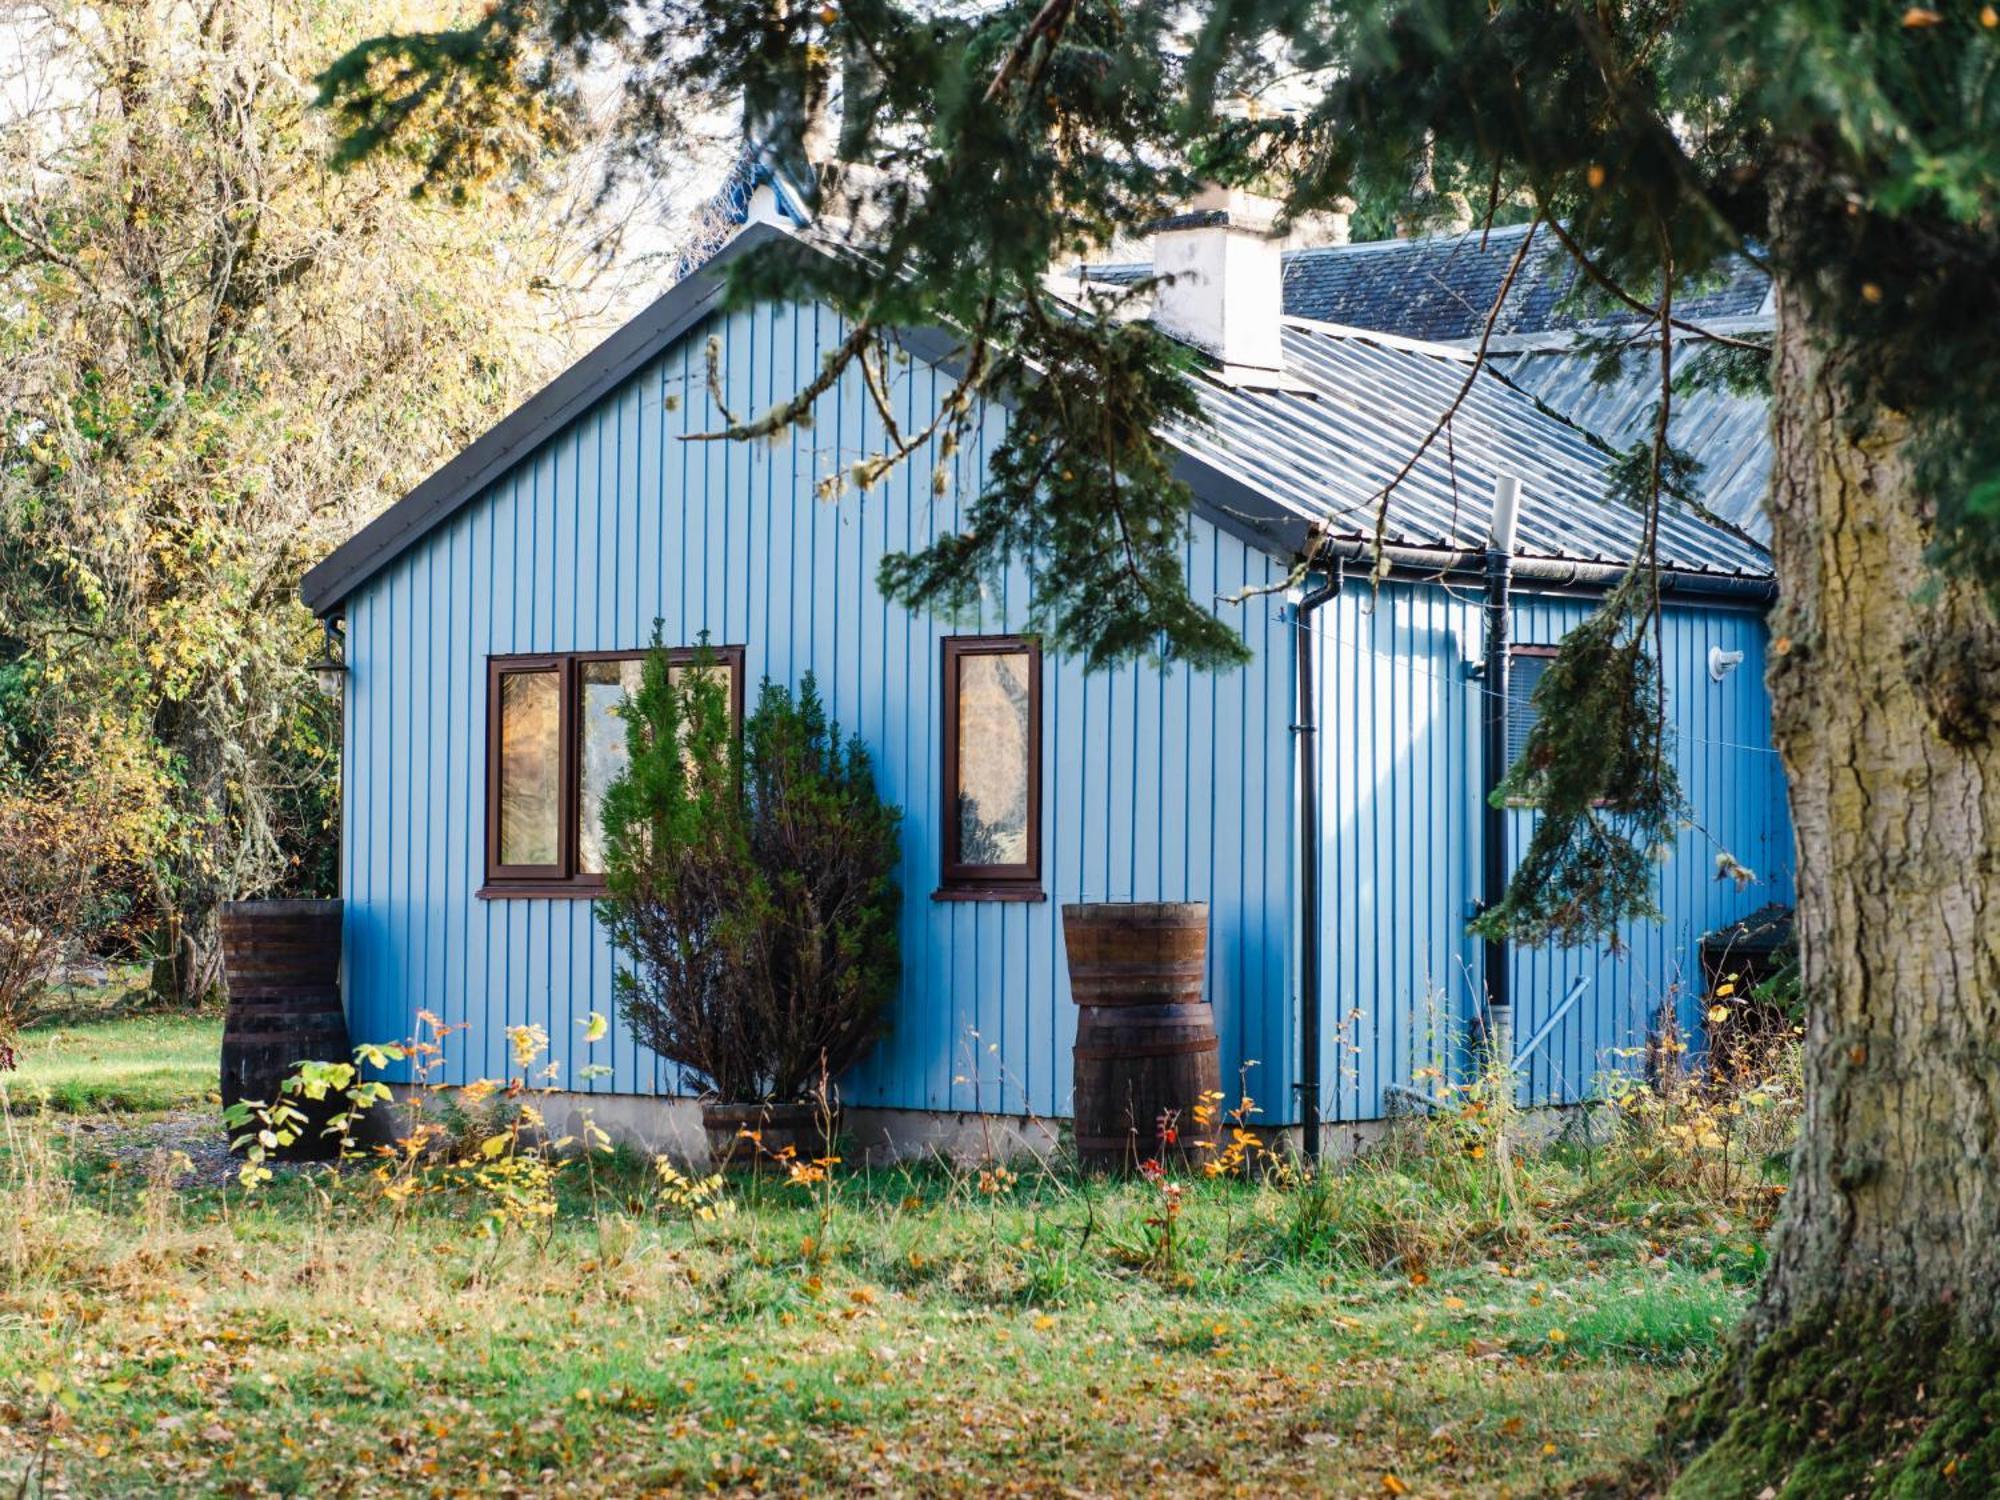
(1499, 1018)
(1552, 573)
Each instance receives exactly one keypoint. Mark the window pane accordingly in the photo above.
(719, 672)
(1524, 675)
(530, 768)
(600, 750)
(993, 755)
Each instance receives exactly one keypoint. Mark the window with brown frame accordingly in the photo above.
(1526, 666)
(992, 769)
(554, 744)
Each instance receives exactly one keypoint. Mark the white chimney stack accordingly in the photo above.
(1221, 283)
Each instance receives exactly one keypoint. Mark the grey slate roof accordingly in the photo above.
(1324, 452)
(1441, 287)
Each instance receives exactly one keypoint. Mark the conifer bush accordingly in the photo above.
(825, 845)
(749, 885)
(684, 902)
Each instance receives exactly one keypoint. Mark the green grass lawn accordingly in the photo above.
(1395, 1328)
(92, 1057)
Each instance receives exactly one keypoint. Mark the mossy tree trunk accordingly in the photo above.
(1868, 1364)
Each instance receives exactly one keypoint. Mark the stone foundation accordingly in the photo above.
(671, 1126)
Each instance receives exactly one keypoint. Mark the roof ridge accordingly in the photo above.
(1405, 241)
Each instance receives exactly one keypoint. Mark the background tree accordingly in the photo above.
(73, 839)
(218, 356)
(1849, 146)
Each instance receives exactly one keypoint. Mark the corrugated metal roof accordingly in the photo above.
(1440, 289)
(1730, 434)
(1324, 451)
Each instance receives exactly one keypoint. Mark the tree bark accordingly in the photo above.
(1868, 1363)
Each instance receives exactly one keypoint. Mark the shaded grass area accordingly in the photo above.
(94, 1054)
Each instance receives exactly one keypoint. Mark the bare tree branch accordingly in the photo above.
(1598, 275)
(778, 418)
(1049, 22)
(1380, 499)
(45, 249)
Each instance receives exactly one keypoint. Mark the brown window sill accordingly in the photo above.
(988, 893)
(557, 890)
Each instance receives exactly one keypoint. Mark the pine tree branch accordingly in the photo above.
(1597, 274)
(1660, 436)
(1595, 26)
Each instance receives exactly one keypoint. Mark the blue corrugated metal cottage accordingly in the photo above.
(493, 618)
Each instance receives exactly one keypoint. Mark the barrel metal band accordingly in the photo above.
(1147, 1049)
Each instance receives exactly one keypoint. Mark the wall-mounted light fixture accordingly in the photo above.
(1721, 663)
(330, 669)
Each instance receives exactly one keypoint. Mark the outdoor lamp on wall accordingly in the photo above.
(330, 669)
(1721, 663)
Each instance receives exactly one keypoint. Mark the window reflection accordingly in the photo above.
(530, 768)
(600, 750)
(993, 749)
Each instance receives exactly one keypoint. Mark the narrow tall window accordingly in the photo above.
(992, 768)
(556, 742)
(600, 735)
(527, 770)
(1525, 666)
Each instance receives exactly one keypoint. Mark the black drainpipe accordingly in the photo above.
(1308, 736)
(1499, 1030)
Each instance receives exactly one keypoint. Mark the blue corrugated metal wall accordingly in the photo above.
(1399, 822)
(1156, 786)
(1735, 785)
(1400, 776)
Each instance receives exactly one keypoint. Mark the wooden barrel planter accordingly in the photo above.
(281, 963)
(1146, 1049)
